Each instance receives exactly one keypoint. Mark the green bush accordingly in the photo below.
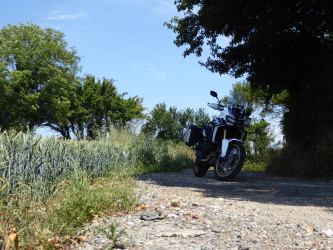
(294, 160)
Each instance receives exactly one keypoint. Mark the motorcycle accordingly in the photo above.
(220, 144)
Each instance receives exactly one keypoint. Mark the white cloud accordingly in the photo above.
(59, 16)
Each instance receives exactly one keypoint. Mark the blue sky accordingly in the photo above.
(125, 40)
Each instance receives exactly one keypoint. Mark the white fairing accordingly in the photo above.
(223, 116)
(224, 113)
(225, 145)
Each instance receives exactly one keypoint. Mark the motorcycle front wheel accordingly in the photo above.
(229, 167)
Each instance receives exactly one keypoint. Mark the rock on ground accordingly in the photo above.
(255, 211)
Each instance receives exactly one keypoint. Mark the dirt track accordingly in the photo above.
(255, 211)
(260, 187)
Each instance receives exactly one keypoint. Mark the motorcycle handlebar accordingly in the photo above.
(217, 106)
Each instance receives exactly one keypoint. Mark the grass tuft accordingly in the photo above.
(81, 202)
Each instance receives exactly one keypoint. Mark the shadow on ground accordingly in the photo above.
(253, 186)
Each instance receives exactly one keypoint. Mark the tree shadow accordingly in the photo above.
(254, 186)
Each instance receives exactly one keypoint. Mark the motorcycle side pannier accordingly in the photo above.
(192, 134)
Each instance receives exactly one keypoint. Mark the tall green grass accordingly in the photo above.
(33, 165)
(50, 188)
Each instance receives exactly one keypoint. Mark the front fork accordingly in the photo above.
(225, 144)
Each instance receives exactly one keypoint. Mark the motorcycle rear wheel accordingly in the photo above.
(232, 165)
(200, 169)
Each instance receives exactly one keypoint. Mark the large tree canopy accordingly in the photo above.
(276, 43)
(280, 46)
(93, 108)
(103, 107)
(37, 76)
(40, 86)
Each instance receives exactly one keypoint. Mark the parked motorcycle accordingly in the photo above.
(220, 143)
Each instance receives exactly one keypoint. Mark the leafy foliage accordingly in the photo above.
(258, 133)
(275, 43)
(37, 76)
(285, 49)
(98, 106)
(169, 123)
(39, 86)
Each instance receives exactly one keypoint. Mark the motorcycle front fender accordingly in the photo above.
(225, 145)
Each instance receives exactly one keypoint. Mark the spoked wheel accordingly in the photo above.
(233, 162)
(200, 169)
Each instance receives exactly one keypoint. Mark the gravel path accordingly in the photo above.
(255, 211)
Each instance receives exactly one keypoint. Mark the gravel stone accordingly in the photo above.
(254, 211)
(152, 215)
(328, 233)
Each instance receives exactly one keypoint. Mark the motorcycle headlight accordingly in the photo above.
(231, 120)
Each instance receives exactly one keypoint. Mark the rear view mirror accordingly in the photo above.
(213, 93)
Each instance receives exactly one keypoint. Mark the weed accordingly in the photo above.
(113, 234)
(253, 166)
(79, 203)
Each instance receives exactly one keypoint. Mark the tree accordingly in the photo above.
(277, 43)
(281, 47)
(95, 106)
(39, 86)
(169, 123)
(258, 133)
(37, 78)
(103, 107)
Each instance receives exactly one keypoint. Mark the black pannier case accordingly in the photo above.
(192, 135)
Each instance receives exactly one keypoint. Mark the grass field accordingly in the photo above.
(52, 188)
